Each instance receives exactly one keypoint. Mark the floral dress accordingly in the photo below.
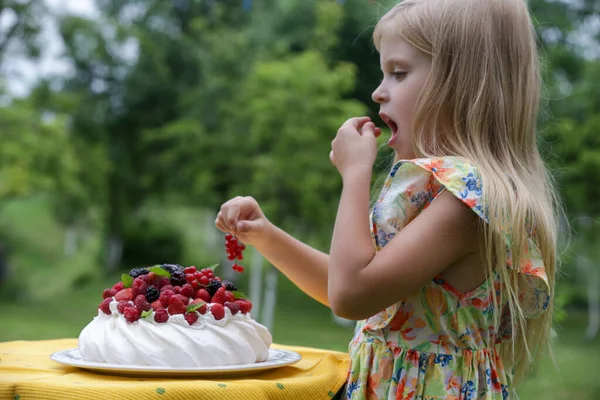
(439, 343)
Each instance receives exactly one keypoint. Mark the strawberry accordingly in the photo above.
(203, 294)
(176, 306)
(187, 290)
(245, 305)
(118, 286)
(217, 311)
(141, 303)
(161, 315)
(108, 293)
(191, 317)
(124, 295)
(122, 305)
(233, 307)
(157, 305)
(202, 309)
(219, 296)
(229, 297)
(132, 314)
(104, 306)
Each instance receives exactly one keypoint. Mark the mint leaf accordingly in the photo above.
(127, 280)
(239, 295)
(159, 271)
(213, 267)
(146, 313)
(194, 306)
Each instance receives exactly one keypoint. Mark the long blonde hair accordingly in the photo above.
(481, 102)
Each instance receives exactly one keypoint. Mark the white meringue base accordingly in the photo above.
(235, 339)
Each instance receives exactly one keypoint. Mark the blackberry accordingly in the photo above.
(229, 286)
(213, 286)
(134, 273)
(177, 274)
(152, 294)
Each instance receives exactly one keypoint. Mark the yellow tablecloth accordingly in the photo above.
(27, 373)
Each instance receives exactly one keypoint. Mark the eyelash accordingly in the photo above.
(399, 74)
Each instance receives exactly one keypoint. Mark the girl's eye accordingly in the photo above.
(399, 74)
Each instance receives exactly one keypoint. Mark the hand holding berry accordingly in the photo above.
(243, 217)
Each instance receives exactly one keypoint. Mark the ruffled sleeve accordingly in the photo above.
(462, 179)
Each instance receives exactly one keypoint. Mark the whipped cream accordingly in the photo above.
(235, 339)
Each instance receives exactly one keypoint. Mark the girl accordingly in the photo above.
(451, 273)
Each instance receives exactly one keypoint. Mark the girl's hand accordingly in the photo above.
(243, 217)
(355, 145)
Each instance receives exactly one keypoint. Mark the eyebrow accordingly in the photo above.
(397, 60)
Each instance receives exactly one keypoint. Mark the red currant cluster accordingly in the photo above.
(234, 251)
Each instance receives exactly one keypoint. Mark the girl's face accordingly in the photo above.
(405, 70)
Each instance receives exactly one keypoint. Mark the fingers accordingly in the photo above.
(250, 226)
(369, 129)
(356, 122)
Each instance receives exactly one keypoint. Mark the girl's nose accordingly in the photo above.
(379, 95)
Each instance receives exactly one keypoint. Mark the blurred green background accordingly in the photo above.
(125, 124)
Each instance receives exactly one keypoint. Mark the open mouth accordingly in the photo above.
(393, 126)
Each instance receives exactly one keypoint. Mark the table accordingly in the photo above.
(26, 372)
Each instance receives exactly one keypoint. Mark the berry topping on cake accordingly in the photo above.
(108, 293)
(203, 295)
(191, 317)
(219, 296)
(161, 316)
(132, 314)
(233, 307)
(228, 285)
(245, 305)
(218, 311)
(177, 274)
(141, 303)
(213, 286)
(121, 306)
(188, 291)
(124, 295)
(176, 306)
(105, 306)
(152, 294)
(134, 273)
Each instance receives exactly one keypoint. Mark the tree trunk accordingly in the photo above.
(114, 251)
(268, 312)
(71, 240)
(255, 290)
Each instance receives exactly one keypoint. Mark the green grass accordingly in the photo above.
(55, 310)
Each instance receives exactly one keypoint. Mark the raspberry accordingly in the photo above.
(132, 314)
(177, 289)
(165, 297)
(104, 306)
(217, 311)
(124, 295)
(157, 305)
(166, 287)
(219, 296)
(161, 315)
(134, 273)
(188, 291)
(122, 305)
(176, 307)
(229, 297)
(228, 285)
(152, 294)
(151, 278)
(180, 298)
(108, 293)
(233, 306)
(162, 282)
(118, 286)
(203, 294)
(245, 306)
(141, 303)
(139, 286)
(213, 286)
(191, 317)
(190, 270)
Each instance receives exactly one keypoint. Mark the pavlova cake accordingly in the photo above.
(176, 317)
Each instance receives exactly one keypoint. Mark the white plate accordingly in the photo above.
(277, 358)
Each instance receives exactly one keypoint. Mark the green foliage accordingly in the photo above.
(149, 242)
